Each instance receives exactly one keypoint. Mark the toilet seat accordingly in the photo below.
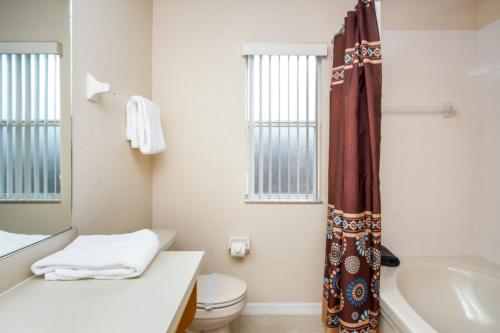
(220, 299)
(217, 291)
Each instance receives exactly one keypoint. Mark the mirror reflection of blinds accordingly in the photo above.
(30, 127)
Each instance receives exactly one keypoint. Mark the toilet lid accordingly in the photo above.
(219, 290)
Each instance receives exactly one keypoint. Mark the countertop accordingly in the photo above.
(166, 237)
(151, 303)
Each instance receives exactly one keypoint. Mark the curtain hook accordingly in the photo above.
(366, 2)
(340, 31)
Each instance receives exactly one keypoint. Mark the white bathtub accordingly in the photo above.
(440, 294)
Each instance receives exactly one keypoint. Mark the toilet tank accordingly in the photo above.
(167, 238)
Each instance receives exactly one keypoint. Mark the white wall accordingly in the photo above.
(427, 169)
(440, 178)
(112, 182)
(487, 135)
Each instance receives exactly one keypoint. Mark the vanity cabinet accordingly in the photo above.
(162, 300)
(189, 313)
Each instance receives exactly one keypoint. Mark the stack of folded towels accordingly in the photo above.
(111, 257)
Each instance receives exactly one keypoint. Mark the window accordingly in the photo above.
(282, 105)
(29, 127)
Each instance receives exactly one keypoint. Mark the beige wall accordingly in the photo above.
(199, 182)
(488, 12)
(428, 183)
(430, 14)
(112, 182)
(439, 14)
(47, 20)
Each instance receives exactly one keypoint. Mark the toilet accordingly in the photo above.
(220, 299)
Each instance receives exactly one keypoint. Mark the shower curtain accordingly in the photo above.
(352, 262)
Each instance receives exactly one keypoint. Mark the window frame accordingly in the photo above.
(263, 49)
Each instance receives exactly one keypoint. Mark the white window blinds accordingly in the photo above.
(30, 127)
(282, 127)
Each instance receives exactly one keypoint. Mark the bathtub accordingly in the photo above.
(440, 294)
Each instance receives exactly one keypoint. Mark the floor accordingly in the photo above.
(277, 324)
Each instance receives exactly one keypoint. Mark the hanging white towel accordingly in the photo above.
(144, 126)
(132, 124)
(109, 257)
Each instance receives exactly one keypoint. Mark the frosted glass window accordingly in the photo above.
(283, 128)
(30, 127)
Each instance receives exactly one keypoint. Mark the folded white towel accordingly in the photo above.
(144, 126)
(101, 257)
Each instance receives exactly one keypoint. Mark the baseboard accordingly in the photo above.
(282, 309)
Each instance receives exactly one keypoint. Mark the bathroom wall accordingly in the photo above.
(428, 169)
(440, 176)
(487, 134)
(112, 39)
(199, 182)
(427, 178)
(431, 14)
(488, 12)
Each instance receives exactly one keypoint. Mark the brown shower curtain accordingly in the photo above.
(352, 263)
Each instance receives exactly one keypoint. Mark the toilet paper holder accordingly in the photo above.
(245, 240)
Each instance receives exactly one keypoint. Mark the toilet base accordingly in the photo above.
(223, 329)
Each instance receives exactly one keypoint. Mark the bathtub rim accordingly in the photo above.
(395, 308)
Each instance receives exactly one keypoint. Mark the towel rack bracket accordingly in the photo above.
(95, 88)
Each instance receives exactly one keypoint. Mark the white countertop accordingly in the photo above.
(152, 303)
(166, 237)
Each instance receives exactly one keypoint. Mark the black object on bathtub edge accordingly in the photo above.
(389, 259)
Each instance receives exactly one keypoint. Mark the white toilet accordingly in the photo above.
(220, 299)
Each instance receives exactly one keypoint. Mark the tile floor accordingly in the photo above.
(277, 324)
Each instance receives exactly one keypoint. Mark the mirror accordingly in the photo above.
(35, 121)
